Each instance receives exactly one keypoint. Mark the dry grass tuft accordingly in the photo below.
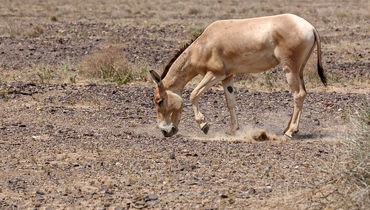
(108, 64)
(355, 179)
(34, 32)
(193, 11)
(348, 180)
(53, 18)
(194, 31)
(349, 186)
(12, 29)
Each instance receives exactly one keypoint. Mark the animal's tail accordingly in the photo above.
(320, 70)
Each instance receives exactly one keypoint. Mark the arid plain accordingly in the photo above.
(77, 126)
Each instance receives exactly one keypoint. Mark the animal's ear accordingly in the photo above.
(156, 78)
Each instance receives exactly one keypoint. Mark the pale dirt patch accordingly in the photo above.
(249, 135)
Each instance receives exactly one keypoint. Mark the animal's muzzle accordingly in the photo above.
(171, 132)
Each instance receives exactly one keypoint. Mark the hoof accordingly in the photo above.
(290, 136)
(230, 132)
(205, 128)
(287, 136)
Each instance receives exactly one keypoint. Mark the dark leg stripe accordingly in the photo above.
(230, 89)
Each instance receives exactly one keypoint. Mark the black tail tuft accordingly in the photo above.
(320, 70)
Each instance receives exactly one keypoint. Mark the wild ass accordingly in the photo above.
(229, 47)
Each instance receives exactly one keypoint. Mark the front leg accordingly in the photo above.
(230, 100)
(208, 81)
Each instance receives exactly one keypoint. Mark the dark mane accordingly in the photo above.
(178, 53)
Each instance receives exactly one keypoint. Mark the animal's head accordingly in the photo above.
(168, 105)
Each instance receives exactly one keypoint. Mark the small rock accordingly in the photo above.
(317, 122)
(109, 191)
(129, 182)
(40, 192)
(224, 196)
(152, 197)
(35, 138)
(139, 205)
(252, 191)
(267, 189)
(172, 156)
(267, 167)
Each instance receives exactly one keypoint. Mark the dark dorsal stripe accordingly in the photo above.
(178, 53)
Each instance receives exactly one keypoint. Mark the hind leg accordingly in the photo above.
(230, 100)
(293, 61)
(297, 87)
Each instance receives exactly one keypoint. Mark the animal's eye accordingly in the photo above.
(160, 102)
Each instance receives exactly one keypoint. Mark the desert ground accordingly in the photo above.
(78, 124)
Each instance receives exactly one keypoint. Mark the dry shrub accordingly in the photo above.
(34, 32)
(355, 179)
(12, 28)
(108, 64)
(18, 29)
(193, 11)
(348, 187)
(348, 180)
(348, 184)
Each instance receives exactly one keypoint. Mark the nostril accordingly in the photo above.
(174, 129)
(164, 132)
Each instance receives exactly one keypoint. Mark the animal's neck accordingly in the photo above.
(178, 75)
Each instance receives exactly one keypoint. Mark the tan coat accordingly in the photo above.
(229, 47)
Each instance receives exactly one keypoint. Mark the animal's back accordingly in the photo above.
(247, 45)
